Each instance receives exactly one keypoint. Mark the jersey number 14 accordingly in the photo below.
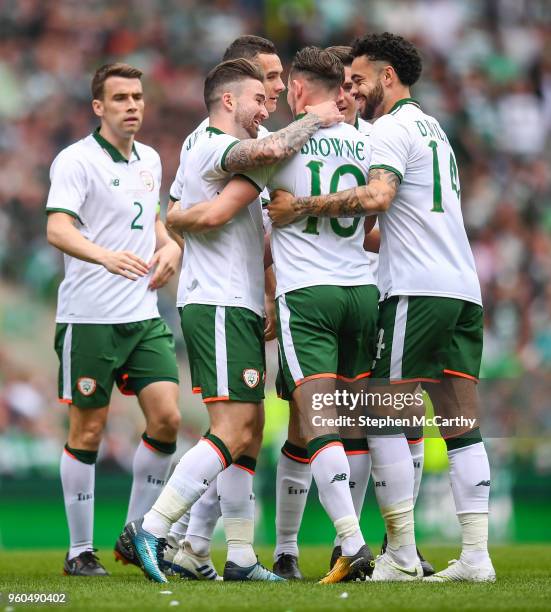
(437, 184)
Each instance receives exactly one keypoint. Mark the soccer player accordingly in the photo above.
(358, 455)
(103, 215)
(222, 301)
(189, 538)
(431, 318)
(294, 476)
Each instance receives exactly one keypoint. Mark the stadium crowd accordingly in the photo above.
(487, 78)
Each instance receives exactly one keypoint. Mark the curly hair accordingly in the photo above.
(395, 50)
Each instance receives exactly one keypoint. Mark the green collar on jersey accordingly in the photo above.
(300, 116)
(214, 130)
(403, 101)
(114, 153)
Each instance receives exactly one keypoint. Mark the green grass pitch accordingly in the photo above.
(524, 583)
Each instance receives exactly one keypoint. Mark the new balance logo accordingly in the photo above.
(293, 491)
(339, 477)
(155, 481)
(483, 483)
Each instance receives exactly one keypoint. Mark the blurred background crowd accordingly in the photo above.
(487, 78)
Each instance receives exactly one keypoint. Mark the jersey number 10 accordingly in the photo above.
(315, 190)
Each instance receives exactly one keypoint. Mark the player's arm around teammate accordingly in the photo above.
(102, 209)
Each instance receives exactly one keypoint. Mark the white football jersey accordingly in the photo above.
(115, 203)
(317, 250)
(424, 246)
(363, 126)
(223, 267)
(176, 187)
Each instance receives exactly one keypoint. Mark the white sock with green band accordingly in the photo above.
(190, 479)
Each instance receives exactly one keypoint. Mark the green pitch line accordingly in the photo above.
(524, 583)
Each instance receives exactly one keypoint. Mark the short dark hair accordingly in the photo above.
(231, 71)
(108, 70)
(343, 52)
(395, 50)
(249, 46)
(319, 65)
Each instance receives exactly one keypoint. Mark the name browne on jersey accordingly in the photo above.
(341, 147)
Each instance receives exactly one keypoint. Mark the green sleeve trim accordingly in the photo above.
(223, 160)
(64, 210)
(172, 198)
(247, 178)
(389, 168)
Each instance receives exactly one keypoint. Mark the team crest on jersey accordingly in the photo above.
(251, 377)
(147, 179)
(86, 385)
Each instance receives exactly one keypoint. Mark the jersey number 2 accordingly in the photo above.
(135, 224)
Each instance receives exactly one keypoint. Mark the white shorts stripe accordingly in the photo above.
(221, 352)
(288, 348)
(66, 363)
(398, 338)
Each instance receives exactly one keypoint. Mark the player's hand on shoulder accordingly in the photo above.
(124, 263)
(165, 262)
(327, 112)
(280, 208)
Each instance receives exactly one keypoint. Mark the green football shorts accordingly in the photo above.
(425, 338)
(92, 357)
(325, 331)
(225, 347)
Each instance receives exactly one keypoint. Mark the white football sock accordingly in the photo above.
(150, 471)
(360, 470)
(204, 515)
(331, 472)
(417, 451)
(190, 479)
(77, 480)
(470, 482)
(293, 481)
(178, 530)
(235, 490)
(474, 535)
(393, 477)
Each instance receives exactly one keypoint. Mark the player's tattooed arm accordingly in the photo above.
(252, 153)
(375, 197)
(209, 215)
